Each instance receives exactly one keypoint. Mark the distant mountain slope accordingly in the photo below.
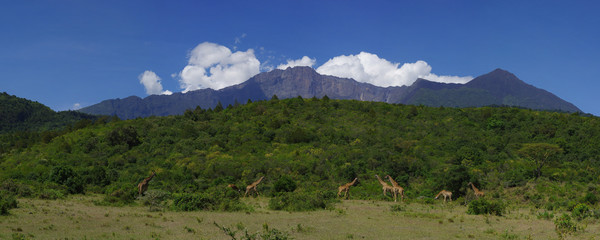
(498, 87)
(20, 114)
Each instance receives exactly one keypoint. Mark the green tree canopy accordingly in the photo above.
(540, 154)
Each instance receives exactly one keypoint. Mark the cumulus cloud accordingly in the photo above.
(304, 61)
(370, 68)
(214, 66)
(447, 79)
(151, 82)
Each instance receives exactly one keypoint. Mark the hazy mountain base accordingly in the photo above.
(77, 217)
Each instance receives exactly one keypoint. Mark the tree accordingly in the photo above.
(540, 154)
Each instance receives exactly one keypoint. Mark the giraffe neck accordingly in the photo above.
(439, 194)
(474, 188)
(393, 182)
(149, 178)
(381, 181)
(258, 181)
(353, 181)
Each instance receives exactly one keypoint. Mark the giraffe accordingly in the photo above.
(252, 187)
(446, 194)
(386, 187)
(397, 189)
(143, 186)
(477, 192)
(345, 188)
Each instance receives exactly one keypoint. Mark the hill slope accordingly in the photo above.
(19, 114)
(320, 143)
(498, 87)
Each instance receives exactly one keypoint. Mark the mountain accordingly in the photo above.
(498, 87)
(20, 114)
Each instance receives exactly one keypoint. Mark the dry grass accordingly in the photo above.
(78, 218)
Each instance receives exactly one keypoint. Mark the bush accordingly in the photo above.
(564, 226)
(581, 211)
(482, 206)
(16, 188)
(65, 175)
(193, 201)
(301, 201)
(119, 195)
(154, 199)
(590, 198)
(50, 194)
(7, 201)
(284, 184)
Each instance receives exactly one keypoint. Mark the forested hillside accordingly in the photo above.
(319, 144)
(19, 114)
(24, 122)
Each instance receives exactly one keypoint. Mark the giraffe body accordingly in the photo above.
(446, 194)
(143, 186)
(478, 193)
(345, 188)
(396, 189)
(252, 187)
(385, 187)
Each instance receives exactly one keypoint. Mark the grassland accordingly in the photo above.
(77, 217)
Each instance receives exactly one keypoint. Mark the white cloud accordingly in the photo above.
(151, 82)
(76, 106)
(369, 68)
(214, 66)
(447, 79)
(304, 61)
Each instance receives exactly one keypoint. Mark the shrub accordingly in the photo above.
(155, 199)
(205, 201)
(119, 195)
(51, 194)
(284, 184)
(590, 198)
(65, 175)
(16, 188)
(193, 201)
(581, 211)
(302, 201)
(564, 226)
(483, 206)
(7, 201)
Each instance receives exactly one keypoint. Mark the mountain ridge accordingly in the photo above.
(498, 87)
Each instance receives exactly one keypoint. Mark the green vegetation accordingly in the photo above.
(483, 206)
(306, 148)
(7, 201)
(24, 122)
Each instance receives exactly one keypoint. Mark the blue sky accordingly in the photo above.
(69, 54)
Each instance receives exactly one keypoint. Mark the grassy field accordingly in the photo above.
(78, 218)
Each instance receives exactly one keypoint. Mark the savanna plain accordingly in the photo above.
(77, 217)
